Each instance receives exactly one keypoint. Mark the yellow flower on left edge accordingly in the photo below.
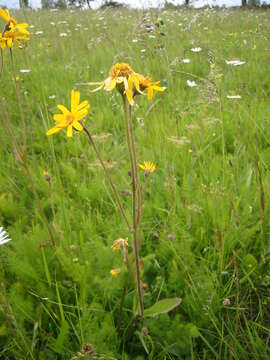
(70, 119)
(13, 31)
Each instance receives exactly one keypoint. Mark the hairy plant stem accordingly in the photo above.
(135, 196)
(108, 177)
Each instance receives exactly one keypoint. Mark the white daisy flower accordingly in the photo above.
(191, 83)
(186, 61)
(4, 237)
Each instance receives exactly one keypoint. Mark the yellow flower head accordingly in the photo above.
(13, 31)
(127, 82)
(148, 167)
(70, 119)
(145, 83)
(122, 77)
(115, 272)
(117, 244)
(13, 34)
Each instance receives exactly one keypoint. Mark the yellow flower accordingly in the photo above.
(115, 272)
(70, 119)
(120, 243)
(17, 33)
(13, 31)
(145, 83)
(122, 77)
(148, 167)
(127, 82)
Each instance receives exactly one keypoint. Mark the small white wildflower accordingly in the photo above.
(25, 71)
(4, 237)
(196, 49)
(226, 302)
(233, 96)
(63, 34)
(39, 32)
(186, 61)
(143, 51)
(51, 97)
(235, 62)
(191, 83)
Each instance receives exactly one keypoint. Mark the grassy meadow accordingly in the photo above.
(205, 226)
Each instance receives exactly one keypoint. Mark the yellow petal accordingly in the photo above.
(10, 43)
(150, 93)
(4, 14)
(75, 100)
(158, 88)
(81, 114)
(82, 105)
(77, 126)
(53, 130)
(69, 131)
(59, 117)
(142, 166)
(63, 109)
(129, 95)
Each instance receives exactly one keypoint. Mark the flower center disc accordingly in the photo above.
(69, 119)
(118, 70)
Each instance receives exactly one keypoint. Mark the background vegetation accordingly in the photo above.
(206, 216)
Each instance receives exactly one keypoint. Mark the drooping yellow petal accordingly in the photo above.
(53, 130)
(63, 109)
(150, 93)
(10, 43)
(129, 95)
(69, 131)
(77, 126)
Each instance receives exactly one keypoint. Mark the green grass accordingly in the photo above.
(206, 213)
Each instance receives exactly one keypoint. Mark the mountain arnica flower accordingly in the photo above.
(148, 167)
(122, 77)
(127, 82)
(13, 31)
(70, 119)
(145, 83)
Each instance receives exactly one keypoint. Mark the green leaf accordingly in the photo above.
(162, 307)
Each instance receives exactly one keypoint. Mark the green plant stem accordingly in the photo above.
(134, 178)
(108, 177)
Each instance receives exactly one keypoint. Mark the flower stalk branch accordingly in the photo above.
(108, 177)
